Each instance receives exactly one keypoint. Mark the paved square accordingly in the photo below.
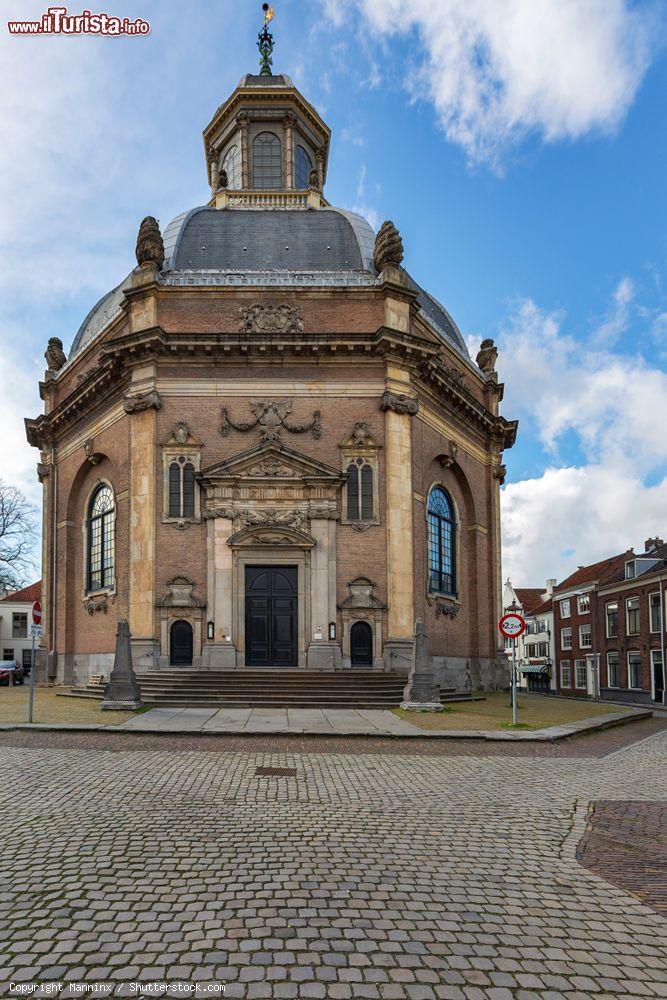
(368, 874)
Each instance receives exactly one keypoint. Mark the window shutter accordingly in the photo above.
(188, 490)
(174, 490)
(366, 493)
(352, 493)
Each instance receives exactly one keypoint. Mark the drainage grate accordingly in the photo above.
(275, 772)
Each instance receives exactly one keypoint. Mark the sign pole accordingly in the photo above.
(32, 678)
(514, 705)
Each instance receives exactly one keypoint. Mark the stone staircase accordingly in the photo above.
(267, 688)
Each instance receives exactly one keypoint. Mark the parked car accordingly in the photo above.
(11, 672)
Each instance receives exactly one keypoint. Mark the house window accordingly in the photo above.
(441, 542)
(585, 637)
(630, 570)
(267, 168)
(532, 650)
(181, 488)
(565, 674)
(531, 628)
(543, 649)
(19, 625)
(655, 612)
(613, 670)
(542, 626)
(232, 165)
(101, 518)
(566, 638)
(632, 615)
(611, 613)
(302, 167)
(584, 604)
(580, 674)
(635, 669)
(565, 609)
(8, 654)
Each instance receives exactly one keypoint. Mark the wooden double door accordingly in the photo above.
(271, 613)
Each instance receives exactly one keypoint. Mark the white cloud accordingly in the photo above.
(496, 71)
(612, 406)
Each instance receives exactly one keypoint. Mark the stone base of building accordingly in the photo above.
(218, 656)
(323, 655)
(626, 697)
(77, 668)
(398, 655)
(145, 653)
(468, 674)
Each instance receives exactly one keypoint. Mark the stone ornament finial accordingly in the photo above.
(399, 402)
(314, 180)
(487, 356)
(150, 248)
(54, 354)
(388, 247)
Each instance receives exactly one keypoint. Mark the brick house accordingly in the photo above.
(268, 445)
(15, 608)
(631, 627)
(575, 617)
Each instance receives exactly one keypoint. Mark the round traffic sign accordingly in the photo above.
(37, 613)
(512, 625)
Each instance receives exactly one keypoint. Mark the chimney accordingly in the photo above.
(550, 588)
(651, 544)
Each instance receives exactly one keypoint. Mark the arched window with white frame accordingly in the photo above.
(302, 167)
(267, 165)
(441, 542)
(101, 538)
(232, 167)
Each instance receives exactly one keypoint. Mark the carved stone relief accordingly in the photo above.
(271, 416)
(148, 401)
(399, 403)
(270, 319)
(54, 354)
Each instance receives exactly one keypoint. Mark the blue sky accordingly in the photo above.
(518, 146)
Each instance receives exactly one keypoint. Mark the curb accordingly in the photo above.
(553, 734)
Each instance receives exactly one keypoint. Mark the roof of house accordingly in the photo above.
(530, 599)
(25, 596)
(599, 572)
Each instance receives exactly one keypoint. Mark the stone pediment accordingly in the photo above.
(270, 462)
(270, 535)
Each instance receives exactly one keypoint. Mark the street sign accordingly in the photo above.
(36, 631)
(512, 625)
(37, 613)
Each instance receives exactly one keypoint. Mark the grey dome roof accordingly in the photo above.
(324, 246)
(326, 239)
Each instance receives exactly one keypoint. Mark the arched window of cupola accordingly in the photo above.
(302, 168)
(441, 543)
(267, 168)
(232, 166)
(181, 488)
(101, 530)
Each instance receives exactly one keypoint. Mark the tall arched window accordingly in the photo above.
(441, 543)
(181, 488)
(302, 168)
(360, 500)
(101, 516)
(232, 165)
(267, 167)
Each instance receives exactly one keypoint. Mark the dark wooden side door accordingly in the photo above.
(271, 616)
(361, 645)
(181, 644)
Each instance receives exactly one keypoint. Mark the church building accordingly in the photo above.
(268, 446)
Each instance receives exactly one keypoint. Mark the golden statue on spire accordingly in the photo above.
(265, 42)
(269, 13)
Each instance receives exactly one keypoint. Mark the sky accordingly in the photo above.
(518, 145)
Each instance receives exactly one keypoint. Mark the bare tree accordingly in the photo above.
(18, 535)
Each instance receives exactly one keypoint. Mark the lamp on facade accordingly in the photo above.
(332, 631)
(210, 629)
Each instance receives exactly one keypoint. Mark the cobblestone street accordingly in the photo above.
(369, 873)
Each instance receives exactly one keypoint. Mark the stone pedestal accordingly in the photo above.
(421, 693)
(218, 656)
(323, 655)
(122, 693)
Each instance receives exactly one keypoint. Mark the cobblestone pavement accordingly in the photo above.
(379, 874)
(626, 843)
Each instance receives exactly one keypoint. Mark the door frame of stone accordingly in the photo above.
(256, 555)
